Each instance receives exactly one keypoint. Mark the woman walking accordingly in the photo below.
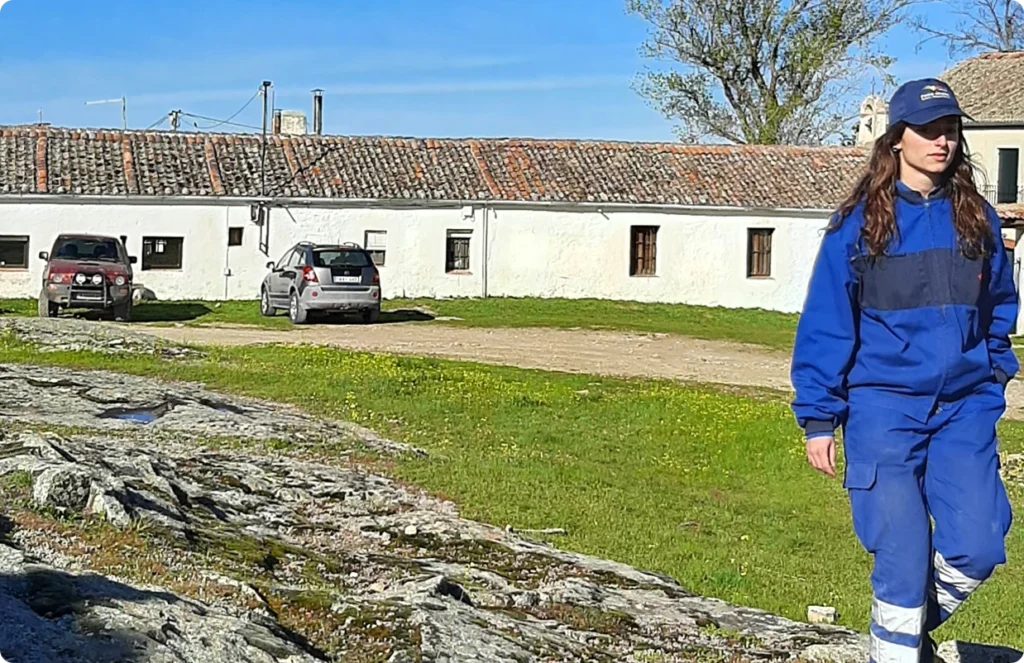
(904, 344)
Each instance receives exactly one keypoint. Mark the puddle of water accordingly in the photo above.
(143, 415)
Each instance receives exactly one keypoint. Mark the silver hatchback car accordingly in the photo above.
(320, 279)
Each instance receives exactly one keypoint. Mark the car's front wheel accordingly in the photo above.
(296, 313)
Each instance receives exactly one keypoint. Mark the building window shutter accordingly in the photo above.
(759, 252)
(643, 258)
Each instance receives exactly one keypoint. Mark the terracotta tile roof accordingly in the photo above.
(35, 160)
(1012, 214)
(990, 87)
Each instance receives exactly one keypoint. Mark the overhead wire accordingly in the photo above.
(162, 118)
(228, 121)
(217, 122)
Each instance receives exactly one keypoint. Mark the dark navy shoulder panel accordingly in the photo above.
(932, 277)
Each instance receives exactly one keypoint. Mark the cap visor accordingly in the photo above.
(926, 115)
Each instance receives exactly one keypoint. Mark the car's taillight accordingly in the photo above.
(309, 275)
(376, 275)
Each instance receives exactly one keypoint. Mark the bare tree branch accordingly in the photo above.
(986, 25)
(762, 71)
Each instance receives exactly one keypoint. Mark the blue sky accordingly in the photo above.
(539, 68)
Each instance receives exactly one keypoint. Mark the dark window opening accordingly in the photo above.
(235, 236)
(13, 252)
(162, 252)
(643, 256)
(1008, 191)
(457, 251)
(376, 242)
(759, 252)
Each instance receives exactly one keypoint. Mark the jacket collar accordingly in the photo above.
(915, 197)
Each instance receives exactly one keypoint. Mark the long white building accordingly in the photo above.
(734, 226)
(730, 226)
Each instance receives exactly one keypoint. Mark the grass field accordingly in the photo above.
(711, 488)
(774, 330)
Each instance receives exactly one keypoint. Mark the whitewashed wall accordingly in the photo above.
(985, 144)
(532, 252)
(701, 259)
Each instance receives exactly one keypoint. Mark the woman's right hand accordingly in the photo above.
(821, 454)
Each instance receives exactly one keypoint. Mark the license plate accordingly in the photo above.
(347, 279)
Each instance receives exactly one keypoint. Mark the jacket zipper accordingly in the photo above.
(941, 280)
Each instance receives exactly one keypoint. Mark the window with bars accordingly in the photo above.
(457, 251)
(162, 252)
(643, 251)
(376, 244)
(759, 252)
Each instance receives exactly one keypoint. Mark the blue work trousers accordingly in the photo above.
(901, 469)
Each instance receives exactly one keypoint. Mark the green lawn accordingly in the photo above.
(709, 487)
(766, 328)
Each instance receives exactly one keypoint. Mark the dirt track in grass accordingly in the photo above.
(592, 352)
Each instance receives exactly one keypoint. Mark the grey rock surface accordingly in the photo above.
(53, 616)
(955, 651)
(63, 488)
(52, 334)
(292, 543)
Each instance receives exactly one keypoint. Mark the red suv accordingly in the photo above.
(87, 271)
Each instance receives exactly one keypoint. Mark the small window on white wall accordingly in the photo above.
(13, 252)
(457, 251)
(376, 243)
(162, 252)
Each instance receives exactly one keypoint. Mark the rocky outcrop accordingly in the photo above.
(52, 616)
(169, 538)
(51, 335)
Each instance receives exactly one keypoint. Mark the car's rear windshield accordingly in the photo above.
(81, 248)
(340, 258)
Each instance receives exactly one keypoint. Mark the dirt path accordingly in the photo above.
(601, 353)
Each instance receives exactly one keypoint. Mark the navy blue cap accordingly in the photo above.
(921, 101)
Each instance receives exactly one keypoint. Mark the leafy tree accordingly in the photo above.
(763, 71)
(981, 25)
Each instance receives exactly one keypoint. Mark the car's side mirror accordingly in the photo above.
(270, 265)
(132, 260)
(43, 255)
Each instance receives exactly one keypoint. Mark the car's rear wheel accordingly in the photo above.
(47, 309)
(266, 309)
(296, 313)
(371, 316)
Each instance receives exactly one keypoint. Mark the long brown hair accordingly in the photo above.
(877, 190)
